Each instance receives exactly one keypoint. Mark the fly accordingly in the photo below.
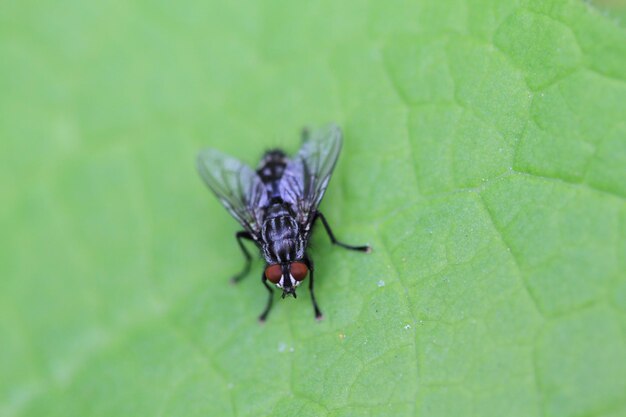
(277, 206)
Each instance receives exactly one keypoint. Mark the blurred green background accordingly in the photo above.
(484, 160)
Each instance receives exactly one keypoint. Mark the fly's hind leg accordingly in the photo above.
(365, 248)
(243, 235)
(305, 133)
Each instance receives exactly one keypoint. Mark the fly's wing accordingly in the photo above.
(306, 175)
(236, 185)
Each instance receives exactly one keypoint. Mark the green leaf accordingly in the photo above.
(484, 160)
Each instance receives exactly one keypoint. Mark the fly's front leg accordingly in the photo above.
(243, 235)
(270, 299)
(309, 265)
(334, 241)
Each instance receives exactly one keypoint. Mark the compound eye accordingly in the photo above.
(299, 270)
(274, 273)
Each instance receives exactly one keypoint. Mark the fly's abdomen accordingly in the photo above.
(271, 170)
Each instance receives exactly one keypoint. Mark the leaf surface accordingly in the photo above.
(484, 160)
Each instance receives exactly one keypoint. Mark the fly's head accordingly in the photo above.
(287, 276)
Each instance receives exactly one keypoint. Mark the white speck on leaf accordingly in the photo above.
(381, 283)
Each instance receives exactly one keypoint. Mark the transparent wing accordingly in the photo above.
(306, 176)
(236, 185)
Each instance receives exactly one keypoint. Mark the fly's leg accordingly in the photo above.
(243, 235)
(304, 134)
(270, 298)
(309, 264)
(365, 248)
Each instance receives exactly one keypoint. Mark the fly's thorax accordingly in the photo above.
(283, 250)
(281, 227)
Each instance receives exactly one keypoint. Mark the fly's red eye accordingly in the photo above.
(299, 270)
(273, 273)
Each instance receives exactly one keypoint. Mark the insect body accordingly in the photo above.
(277, 206)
